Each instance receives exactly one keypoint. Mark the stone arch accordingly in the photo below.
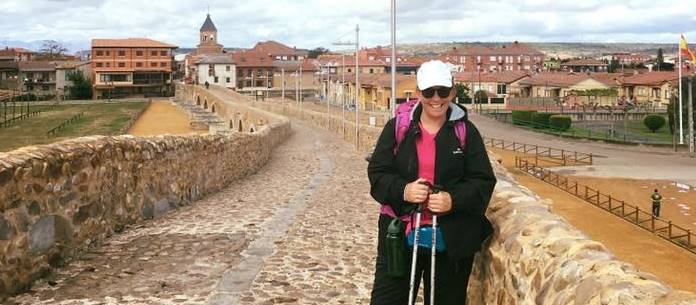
(205, 104)
(198, 100)
(239, 126)
(231, 124)
(212, 108)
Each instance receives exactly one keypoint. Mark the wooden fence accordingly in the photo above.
(659, 226)
(55, 130)
(553, 155)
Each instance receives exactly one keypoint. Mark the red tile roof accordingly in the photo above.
(272, 48)
(651, 78)
(14, 51)
(556, 79)
(497, 77)
(38, 65)
(130, 43)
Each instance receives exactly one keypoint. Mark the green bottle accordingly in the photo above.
(396, 256)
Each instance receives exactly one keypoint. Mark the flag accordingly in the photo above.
(685, 51)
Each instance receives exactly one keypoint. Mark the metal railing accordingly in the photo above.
(661, 227)
(552, 155)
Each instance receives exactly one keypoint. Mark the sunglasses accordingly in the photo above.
(442, 92)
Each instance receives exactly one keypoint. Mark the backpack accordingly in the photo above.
(403, 123)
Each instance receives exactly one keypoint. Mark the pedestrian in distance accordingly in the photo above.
(656, 203)
(207, 84)
(431, 174)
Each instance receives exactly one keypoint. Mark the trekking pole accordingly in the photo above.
(414, 256)
(433, 250)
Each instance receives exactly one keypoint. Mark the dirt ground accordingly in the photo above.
(162, 118)
(628, 242)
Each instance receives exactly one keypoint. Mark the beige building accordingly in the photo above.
(375, 89)
(655, 88)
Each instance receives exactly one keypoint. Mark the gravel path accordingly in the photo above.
(302, 231)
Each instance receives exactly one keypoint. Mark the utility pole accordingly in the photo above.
(343, 95)
(282, 90)
(357, 83)
(392, 101)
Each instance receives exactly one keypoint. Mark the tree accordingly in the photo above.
(81, 88)
(481, 97)
(613, 65)
(316, 52)
(52, 49)
(660, 61)
(462, 92)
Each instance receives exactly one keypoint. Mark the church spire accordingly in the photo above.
(208, 25)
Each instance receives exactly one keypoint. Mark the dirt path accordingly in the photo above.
(629, 243)
(162, 118)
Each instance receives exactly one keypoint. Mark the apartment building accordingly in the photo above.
(218, 70)
(585, 65)
(513, 57)
(131, 67)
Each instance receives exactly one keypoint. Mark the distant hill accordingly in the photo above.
(552, 49)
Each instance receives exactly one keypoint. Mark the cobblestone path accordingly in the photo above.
(300, 231)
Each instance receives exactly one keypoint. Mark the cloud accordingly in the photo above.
(314, 23)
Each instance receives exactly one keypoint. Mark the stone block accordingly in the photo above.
(47, 231)
(6, 228)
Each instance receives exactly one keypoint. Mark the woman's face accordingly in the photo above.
(435, 106)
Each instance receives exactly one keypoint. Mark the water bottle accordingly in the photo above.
(396, 256)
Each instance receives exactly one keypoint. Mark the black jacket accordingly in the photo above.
(465, 174)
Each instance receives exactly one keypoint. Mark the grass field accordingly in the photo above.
(98, 119)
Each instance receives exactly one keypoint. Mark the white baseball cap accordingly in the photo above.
(433, 73)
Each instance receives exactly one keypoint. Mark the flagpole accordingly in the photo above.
(681, 120)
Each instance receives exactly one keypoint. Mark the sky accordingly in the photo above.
(320, 23)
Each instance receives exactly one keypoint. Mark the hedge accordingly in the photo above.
(541, 120)
(522, 117)
(560, 122)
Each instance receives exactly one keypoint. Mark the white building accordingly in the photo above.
(217, 70)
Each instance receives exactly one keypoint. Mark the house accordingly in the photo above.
(9, 75)
(16, 54)
(655, 88)
(375, 89)
(561, 84)
(278, 51)
(63, 71)
(585, 65)
(217, 70)
(498, 86)
(131, 67)
(38, 77)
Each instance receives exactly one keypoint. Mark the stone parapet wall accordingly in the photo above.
(534, 256)
(57, 200)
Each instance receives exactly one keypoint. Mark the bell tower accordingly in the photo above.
(208, 38)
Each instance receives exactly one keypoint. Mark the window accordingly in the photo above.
(240, 73)
(227, 80)
(122, 65)
(163, 53)
(502, 89)
(99, 65)
(216, 80)
(227, 68)
(100, 53)
(45, 87)
(285, 58)
(153, 64)
(121, 53)
(349, 70)
(277, 57)
(153, 53)
(108, 65)
(372, 70)
(138, 53)
(492, 58)
(138, 65)
(163, 64)
(248, 83)
(108, 53)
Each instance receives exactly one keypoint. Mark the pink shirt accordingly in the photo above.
(425, 147)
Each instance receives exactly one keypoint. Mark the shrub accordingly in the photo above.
(522, 117)
(560, 122)
(654, 122)
(541, 120)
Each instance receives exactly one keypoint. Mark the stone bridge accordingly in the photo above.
(280, 215)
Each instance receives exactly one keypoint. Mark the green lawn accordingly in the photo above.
(98, 119)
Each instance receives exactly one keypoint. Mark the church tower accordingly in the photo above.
(208, 38)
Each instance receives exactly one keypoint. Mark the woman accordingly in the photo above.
(431, 151)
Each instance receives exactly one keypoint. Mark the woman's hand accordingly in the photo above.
(440, 202)
(416, 192)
